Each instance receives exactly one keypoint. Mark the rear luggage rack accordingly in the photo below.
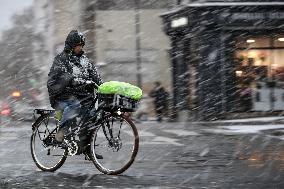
(42, 112)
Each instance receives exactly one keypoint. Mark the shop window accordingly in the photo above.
(278, 41)
(259, 63)
(253, 42)
(259, 42)
(261, 53)
(277, 66)
(253, 57)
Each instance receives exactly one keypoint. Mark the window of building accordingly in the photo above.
(259, 62)
(260, 57)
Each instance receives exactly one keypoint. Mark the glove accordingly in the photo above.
(91, 83)
(77, 82)
(90, 86)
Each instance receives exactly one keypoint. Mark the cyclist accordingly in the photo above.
(70, 80)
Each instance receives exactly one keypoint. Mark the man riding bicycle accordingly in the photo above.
(71, 79)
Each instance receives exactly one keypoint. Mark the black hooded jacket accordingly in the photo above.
(69, 73)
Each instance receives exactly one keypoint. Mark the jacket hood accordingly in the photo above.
(73, 39)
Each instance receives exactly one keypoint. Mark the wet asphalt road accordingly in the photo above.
(171, 155)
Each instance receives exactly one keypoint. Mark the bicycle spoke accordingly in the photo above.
(105, 133)
(110, 129)
(118, 151)
(121, 121)
(46, 122)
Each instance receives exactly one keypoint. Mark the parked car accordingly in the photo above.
(5, 111)
(16, 107)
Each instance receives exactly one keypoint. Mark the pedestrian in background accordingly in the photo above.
(160, 96)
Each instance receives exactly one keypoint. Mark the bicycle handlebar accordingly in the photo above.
(93, 84)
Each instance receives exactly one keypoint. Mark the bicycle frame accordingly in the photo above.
(85, 118)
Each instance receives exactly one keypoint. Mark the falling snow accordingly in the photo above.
(220, 63)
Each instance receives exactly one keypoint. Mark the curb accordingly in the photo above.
(228, 123)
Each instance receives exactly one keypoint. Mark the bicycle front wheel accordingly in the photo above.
(117, 141)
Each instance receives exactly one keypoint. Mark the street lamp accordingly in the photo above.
(138, 46)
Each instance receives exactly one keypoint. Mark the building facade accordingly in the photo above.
(116, 44)
(220, 50)
(54, 19)
(113, 28)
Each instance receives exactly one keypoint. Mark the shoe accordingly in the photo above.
(98, 156)
(87, 157)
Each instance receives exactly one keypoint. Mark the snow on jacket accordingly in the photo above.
(68, 75)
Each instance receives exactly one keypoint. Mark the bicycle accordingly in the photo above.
(105, 123)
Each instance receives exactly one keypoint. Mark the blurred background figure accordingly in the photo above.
(141, 114)
(160, 96)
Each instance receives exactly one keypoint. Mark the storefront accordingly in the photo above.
(227, 57)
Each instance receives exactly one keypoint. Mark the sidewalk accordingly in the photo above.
(269, 126)
(246, 121)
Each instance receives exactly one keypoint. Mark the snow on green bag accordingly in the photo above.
(121, 88)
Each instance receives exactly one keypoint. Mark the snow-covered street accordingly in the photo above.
(171, 155)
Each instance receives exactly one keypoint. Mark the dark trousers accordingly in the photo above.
(70, 110)
(160, 112)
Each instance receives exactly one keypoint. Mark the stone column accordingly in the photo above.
(209, 75)
(229, 81)
(180, 78)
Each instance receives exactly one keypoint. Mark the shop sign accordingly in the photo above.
(183, 21)
(252, 16)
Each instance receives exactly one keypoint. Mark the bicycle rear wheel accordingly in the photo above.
(117, 140)
(46, 153)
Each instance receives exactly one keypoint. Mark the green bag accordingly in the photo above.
(121, 88)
